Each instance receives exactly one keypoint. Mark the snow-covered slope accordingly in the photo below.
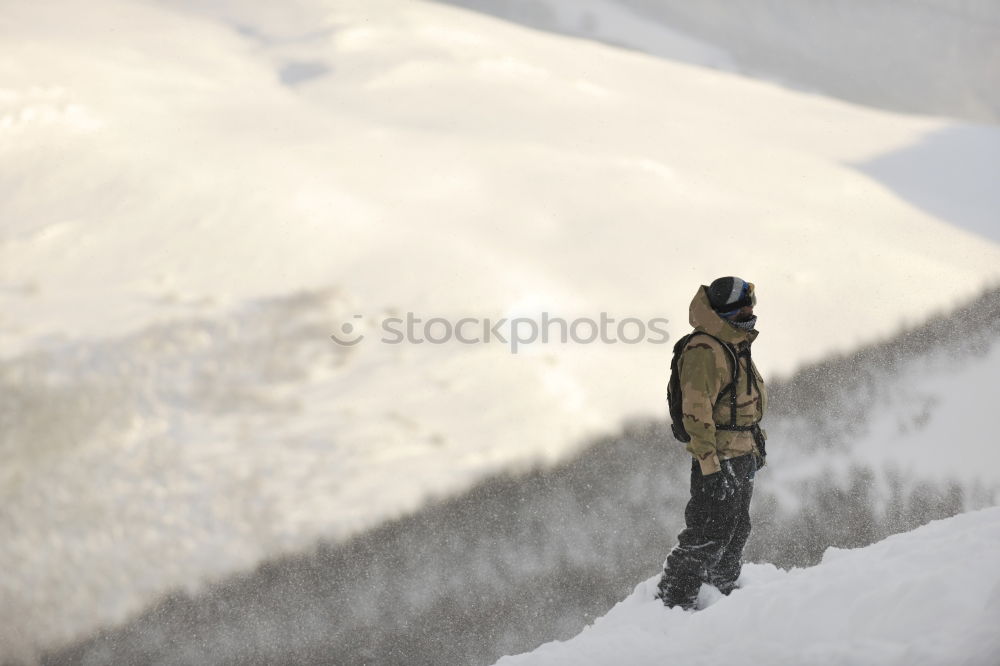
(938, 56)
(493, 166)
(917, 405)
(931, 596)
(611, 22)
(928, 421)
(191, 202)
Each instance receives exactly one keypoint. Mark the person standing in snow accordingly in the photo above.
(723, 399)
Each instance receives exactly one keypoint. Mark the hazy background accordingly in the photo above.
(922, 56)
(195, 195)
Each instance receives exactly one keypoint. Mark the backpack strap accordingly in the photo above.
(751, 383)
(734, 358)
(735, 369)
(732, 386)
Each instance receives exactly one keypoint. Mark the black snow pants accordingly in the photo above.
(710, 548)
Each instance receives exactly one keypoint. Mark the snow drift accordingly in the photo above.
(931, 596)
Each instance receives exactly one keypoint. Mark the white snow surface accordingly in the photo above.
(169, 171)
(927, 597)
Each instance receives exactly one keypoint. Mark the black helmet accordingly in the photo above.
(728, 294)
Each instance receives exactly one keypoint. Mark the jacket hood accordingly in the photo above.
(704, 318)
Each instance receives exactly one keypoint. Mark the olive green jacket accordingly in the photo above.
(705, 369)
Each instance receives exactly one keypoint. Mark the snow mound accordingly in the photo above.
(931, 596)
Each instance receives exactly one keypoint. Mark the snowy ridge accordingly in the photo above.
(930, 596)
(939, 54)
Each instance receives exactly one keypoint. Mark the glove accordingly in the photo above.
(720, 486)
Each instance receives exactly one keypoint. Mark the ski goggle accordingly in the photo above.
(747, 298)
